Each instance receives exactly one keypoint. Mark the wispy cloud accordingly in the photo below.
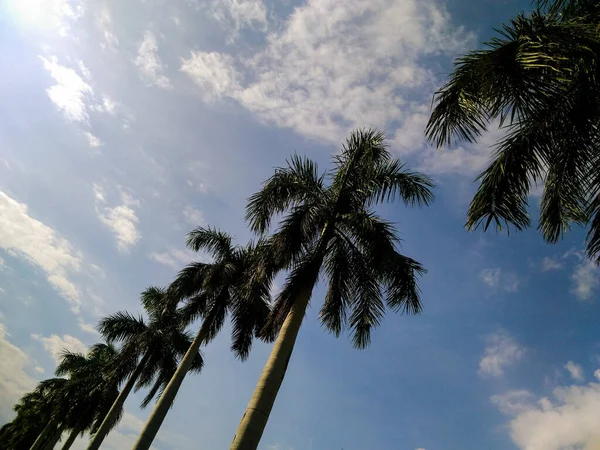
(502, 351)
(193, 216)
(14, 380)
(69, 92)
(104, 24)
(235, 15)
(40, 245)
(149, 63)
(498, 279)
(586, 280)
(122, 219)
(174, 257)
(56, 345)
(549, 263)
(92, 140)
(336, 65)
(575, 370)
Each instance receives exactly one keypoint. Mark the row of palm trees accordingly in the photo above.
(539, 79)
(328, 228)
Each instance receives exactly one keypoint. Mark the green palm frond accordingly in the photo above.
(215, 242)
(339, 292)
(189, 281)
(121, 326)
(391, 179)
(289, 186)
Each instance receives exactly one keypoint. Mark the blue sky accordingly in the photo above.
(123, 125)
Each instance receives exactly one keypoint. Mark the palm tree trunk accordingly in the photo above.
(168, 396)
(37, 445)
(67, 445)
(257, 413)
(116, 407)
(55, 437)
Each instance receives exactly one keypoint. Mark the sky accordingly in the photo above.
(123, 125)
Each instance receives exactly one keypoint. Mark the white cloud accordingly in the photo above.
(549, 263)
(491, 277)
(501, 351)
(334, 66)
(14, 380)
(87, 327)
(174, 258)
(93, 141)
(104, 24)
(69, 92)
(47, 15)
(193, 216)
(496, 278)
(239, 14)
(55, 345)
(84, 70)
(586, 280)
(513, 402)
(149, 63)
(575, 370)
(122, 220)
(567, 422)
(41, 246)
(597, 374)
(214, 72)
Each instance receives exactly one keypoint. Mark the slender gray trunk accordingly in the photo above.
(55, 437)
(116, 407)
(259, 408)
(67, 445)
(37, 445)
(168, 396)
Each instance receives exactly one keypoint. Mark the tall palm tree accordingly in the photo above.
(36, 422)
(228, 285)
(151, 350)
(538, 79)
(91, 388)
(332, 228)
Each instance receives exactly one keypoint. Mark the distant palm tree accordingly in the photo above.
(332, 228)
(230, 284)
(539, 79)
(36, 422)
(91, 388)
(150, 351)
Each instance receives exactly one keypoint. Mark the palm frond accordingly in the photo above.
(502, 194)
(215, 242)
(391, 178)
(339, 292)
(367, 307)
(521, 75)
(121, 326)
(303, 276)
(288, 187)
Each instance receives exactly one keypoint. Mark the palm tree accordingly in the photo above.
(332, 228)
(229, 284)
(151, 351)
(35, 423)
(91, 388)
(538, 79)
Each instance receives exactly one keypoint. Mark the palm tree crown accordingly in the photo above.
(538, 79)
(336, 224)
(233, 283)
(162, 337)
(329, 226)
